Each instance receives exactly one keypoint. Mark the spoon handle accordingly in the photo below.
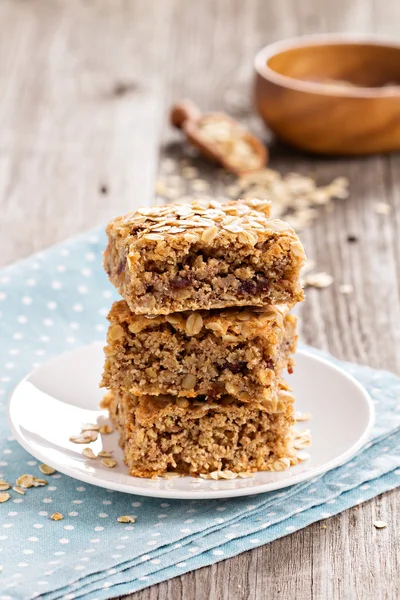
(183, 111)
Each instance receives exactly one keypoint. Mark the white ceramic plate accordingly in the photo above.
(52, 403)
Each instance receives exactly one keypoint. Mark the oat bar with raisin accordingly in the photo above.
(204, 255)
(160, 434)
(236, 351)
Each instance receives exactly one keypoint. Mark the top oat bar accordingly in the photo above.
(203, 255)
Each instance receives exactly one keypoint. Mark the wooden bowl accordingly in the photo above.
(331, 94)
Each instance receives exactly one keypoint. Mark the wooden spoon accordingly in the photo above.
(220, 138)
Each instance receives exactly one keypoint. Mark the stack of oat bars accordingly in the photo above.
(197, 348)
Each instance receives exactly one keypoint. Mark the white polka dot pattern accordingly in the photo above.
(58, 300)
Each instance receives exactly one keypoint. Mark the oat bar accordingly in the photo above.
(160, 434)
(203, 255)
(235, 351)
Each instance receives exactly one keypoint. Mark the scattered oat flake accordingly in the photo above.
(301, 455)
(346, 288)
(160, 188)
(88, 452)
(46, 470)
(189, 172)
(105, 454)
(39, 482)
(302, 439)
(200, 185)
(168, 165)
(19, 490)
(302, 443)
(227, 474)
(109, 463)
(300, 416)
(25, 481)
(90, 427)
(323, 527)
(105, 429)
(4, 496)
(84, 438)
(380, 524)
(281, 464)
(4, 485)
(57, 516)
(318, 280)
(172, 475)
(382, 208)
(126, 519)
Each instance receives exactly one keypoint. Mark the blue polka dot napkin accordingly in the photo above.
(57, 300)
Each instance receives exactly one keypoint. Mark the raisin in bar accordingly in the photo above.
(160, 434)
(203, 255)
(235, 351)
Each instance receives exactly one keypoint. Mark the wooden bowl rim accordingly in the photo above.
(266, 72)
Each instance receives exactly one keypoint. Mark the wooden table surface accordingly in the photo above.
(85, 90)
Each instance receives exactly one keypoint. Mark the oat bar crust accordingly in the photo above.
(236, 351)
(165, 433)
(204, 255)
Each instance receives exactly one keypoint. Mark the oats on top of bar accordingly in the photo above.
(206, 255)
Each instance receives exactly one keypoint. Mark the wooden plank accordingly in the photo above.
(80, 111)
